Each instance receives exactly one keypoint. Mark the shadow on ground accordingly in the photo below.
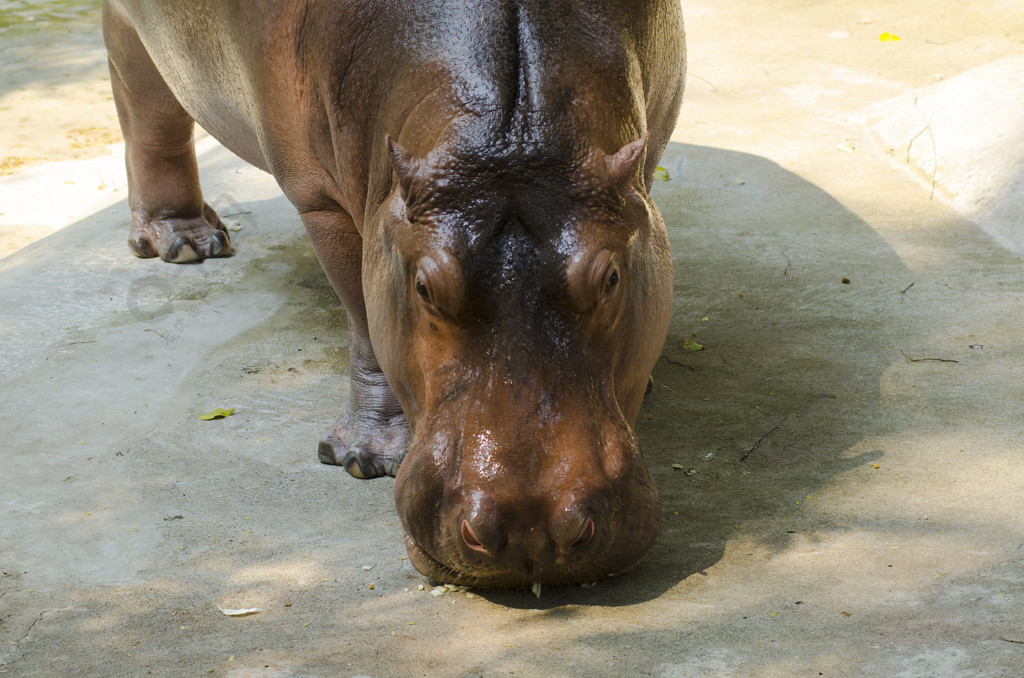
(777, 401)
(793, 298)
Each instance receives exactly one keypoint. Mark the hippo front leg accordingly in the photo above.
(169, 218)
(370, 438)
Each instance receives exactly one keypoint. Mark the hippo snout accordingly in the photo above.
(567, 525)
(566, 534)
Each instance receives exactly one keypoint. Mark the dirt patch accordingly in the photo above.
(55, 100)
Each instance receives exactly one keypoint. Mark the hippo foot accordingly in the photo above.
(366, 451)
(179, 240)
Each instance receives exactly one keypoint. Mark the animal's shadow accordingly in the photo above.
(770, 376)
(774, 406)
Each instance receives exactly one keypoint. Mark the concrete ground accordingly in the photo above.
(842, 465)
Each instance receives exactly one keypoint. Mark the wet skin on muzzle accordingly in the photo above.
(474, 179)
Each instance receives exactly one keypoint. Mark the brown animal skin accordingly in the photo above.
(474, 176)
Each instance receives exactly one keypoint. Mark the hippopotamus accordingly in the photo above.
(474, 178)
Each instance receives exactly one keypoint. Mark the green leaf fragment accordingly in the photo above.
(217, 413)
(661, 174)
(691, 345)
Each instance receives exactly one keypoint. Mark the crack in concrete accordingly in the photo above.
(935, 155)
(32, 626)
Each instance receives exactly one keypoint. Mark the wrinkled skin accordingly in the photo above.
(474, 178)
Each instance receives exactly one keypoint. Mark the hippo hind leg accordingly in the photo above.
(169, 218)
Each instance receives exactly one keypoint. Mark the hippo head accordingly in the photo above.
(517, 305)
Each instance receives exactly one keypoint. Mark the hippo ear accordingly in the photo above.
(622, 167)
(408, 167)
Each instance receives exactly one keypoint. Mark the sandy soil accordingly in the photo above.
(55, 106)
(55, 101)
(841, 465)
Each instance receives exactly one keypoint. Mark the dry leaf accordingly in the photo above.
(239, 612)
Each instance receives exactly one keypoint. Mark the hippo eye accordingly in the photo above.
(612, 281)
(439, 285)
(421, 289)
(592, 278)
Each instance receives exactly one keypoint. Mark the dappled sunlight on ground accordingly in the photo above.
(839, 464)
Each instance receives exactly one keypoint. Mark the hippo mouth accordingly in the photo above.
(430, 567)
(433, 569)
(564, 529)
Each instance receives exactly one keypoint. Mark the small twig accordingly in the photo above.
(762, 439)
(928, 359)
(678, 364)
(694, 75)
(904, 290)
(1011, 640)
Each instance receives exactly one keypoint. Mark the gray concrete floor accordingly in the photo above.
(841, 466)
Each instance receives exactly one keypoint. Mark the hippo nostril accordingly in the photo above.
(586, 534)
(573, 531)
(470, 538)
